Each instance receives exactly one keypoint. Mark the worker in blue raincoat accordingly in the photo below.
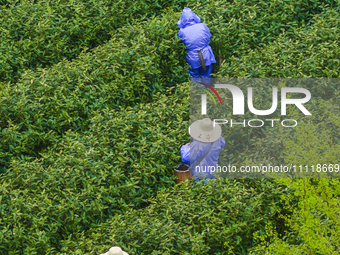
(204, 150)
(196, 37)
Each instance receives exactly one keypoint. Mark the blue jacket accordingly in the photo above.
(196, 150)
(195, 36)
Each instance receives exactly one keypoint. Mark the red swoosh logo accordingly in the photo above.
(213, 90)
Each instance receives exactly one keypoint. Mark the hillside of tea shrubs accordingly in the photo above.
(94, 106)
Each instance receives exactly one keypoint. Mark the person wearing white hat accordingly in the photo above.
(205, 148)
(115, 251)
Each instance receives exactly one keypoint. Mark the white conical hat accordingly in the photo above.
(115, 251)
(204, 130)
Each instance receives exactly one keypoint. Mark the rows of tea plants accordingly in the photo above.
(90, 137)
(218, 217)
(240, 26)
(45, 103)
(306, 51)
(41, 33)
(85, 178)
(311, 212)
(145, 56)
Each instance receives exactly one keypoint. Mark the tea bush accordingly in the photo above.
(308, 51)
(237, 27)
(256, 146)
(214, 219)
(127, 70)
(272, 147)
(145, 56)
(87, 143)
(123, 159)
(6, 3)
(42, 33)
(313, 220)
(32, 37)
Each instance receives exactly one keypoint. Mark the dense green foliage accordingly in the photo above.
(240, 26)
(307, 51)
(42, 33)
(47, 102)
(313, 221)
(317, 144)
(83, 178)
(94, 105)
(205, 219)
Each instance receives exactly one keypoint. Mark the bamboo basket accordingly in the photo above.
(182, 173)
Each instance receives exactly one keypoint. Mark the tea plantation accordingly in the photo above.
(95, 104)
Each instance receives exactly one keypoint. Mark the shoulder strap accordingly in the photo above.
(199, 161)
(201, 60)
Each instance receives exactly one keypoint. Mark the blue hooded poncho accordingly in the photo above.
(195, 36)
